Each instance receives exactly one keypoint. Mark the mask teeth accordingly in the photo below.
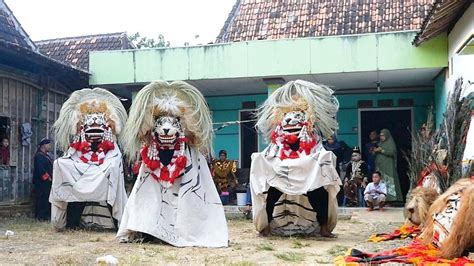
(83, 134)
(303, 134)
(108, 135)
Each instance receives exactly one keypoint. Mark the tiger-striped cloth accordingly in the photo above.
(293, 214)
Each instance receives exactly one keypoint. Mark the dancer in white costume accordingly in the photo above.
(88, 183)
(294, 182)
(174, 198)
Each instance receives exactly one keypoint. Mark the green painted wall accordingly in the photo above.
(440, 98)
(226, 108)
(335, 54)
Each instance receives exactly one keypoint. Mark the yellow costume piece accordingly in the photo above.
(224, 174)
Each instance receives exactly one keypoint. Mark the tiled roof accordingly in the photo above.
(11, 30)
(281, 19)
(75, 50)
(442, 17)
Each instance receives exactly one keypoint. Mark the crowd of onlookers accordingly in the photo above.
(369, 176)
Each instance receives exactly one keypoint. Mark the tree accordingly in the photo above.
(145, 42)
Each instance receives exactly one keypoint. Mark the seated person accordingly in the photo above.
(375, 192)
(355, 180)
(223, 173)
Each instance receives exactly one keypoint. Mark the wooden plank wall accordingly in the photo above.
(27, 101)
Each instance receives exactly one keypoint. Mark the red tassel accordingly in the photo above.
(165, 174)
(153, 164)
(292, 139)
(94, 157)
(84, 146)
(180, 162)
(274, 136)
(294, 155)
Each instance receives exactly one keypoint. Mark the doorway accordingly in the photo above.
(248, 138)
(400, 123)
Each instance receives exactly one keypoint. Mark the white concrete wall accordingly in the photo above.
(460, 65)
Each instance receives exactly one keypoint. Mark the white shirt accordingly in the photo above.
(375, 190)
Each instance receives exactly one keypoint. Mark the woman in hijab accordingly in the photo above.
(42, 180)
(386, 163)
(331, 144)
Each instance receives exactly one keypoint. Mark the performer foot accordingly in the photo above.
(266, 231)
(370, 209)
(329, 235)
(325, 232)
(381, 209)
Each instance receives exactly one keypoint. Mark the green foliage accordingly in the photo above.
(298, 244)
(146, 42)
(338, 250)
(291, 256)
(266, 246)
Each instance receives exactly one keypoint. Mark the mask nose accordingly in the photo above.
(288, 120)
(166, 130)
(411, 210)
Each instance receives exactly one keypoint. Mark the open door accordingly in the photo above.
(248, 138)
(399, 122)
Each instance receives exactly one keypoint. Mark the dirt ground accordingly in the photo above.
(36, 243)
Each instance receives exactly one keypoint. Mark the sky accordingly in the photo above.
(179, 21)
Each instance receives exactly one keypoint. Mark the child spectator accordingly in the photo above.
(375, 192)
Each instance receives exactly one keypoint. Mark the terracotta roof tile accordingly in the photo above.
(11, 30)
(75, 50)
(277, 19)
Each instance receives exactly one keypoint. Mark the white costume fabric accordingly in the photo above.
(91, 171)
(188, 213)
(294, 177)
(174, 198)
(76, 181)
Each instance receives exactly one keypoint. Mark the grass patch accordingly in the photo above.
(96, 239)
(266, 247)
(170, 257)
(338, 250)
(66, 260)
(243, 263)
(321, 261)
(130, 260)
(291, 256)
(236, 246)
(298, 244)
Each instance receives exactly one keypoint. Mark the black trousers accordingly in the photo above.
(74, 213)
(318, 199)
(42, 205)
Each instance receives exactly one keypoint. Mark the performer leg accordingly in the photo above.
(319, 199)
(73, 214)
(273, 195)
(111, 215)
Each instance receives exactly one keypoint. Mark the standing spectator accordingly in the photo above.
(369, 152)
(375, 192)
(331, 144)
(355, 180)
(386, 163)
(5, 152)
(42, 180)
